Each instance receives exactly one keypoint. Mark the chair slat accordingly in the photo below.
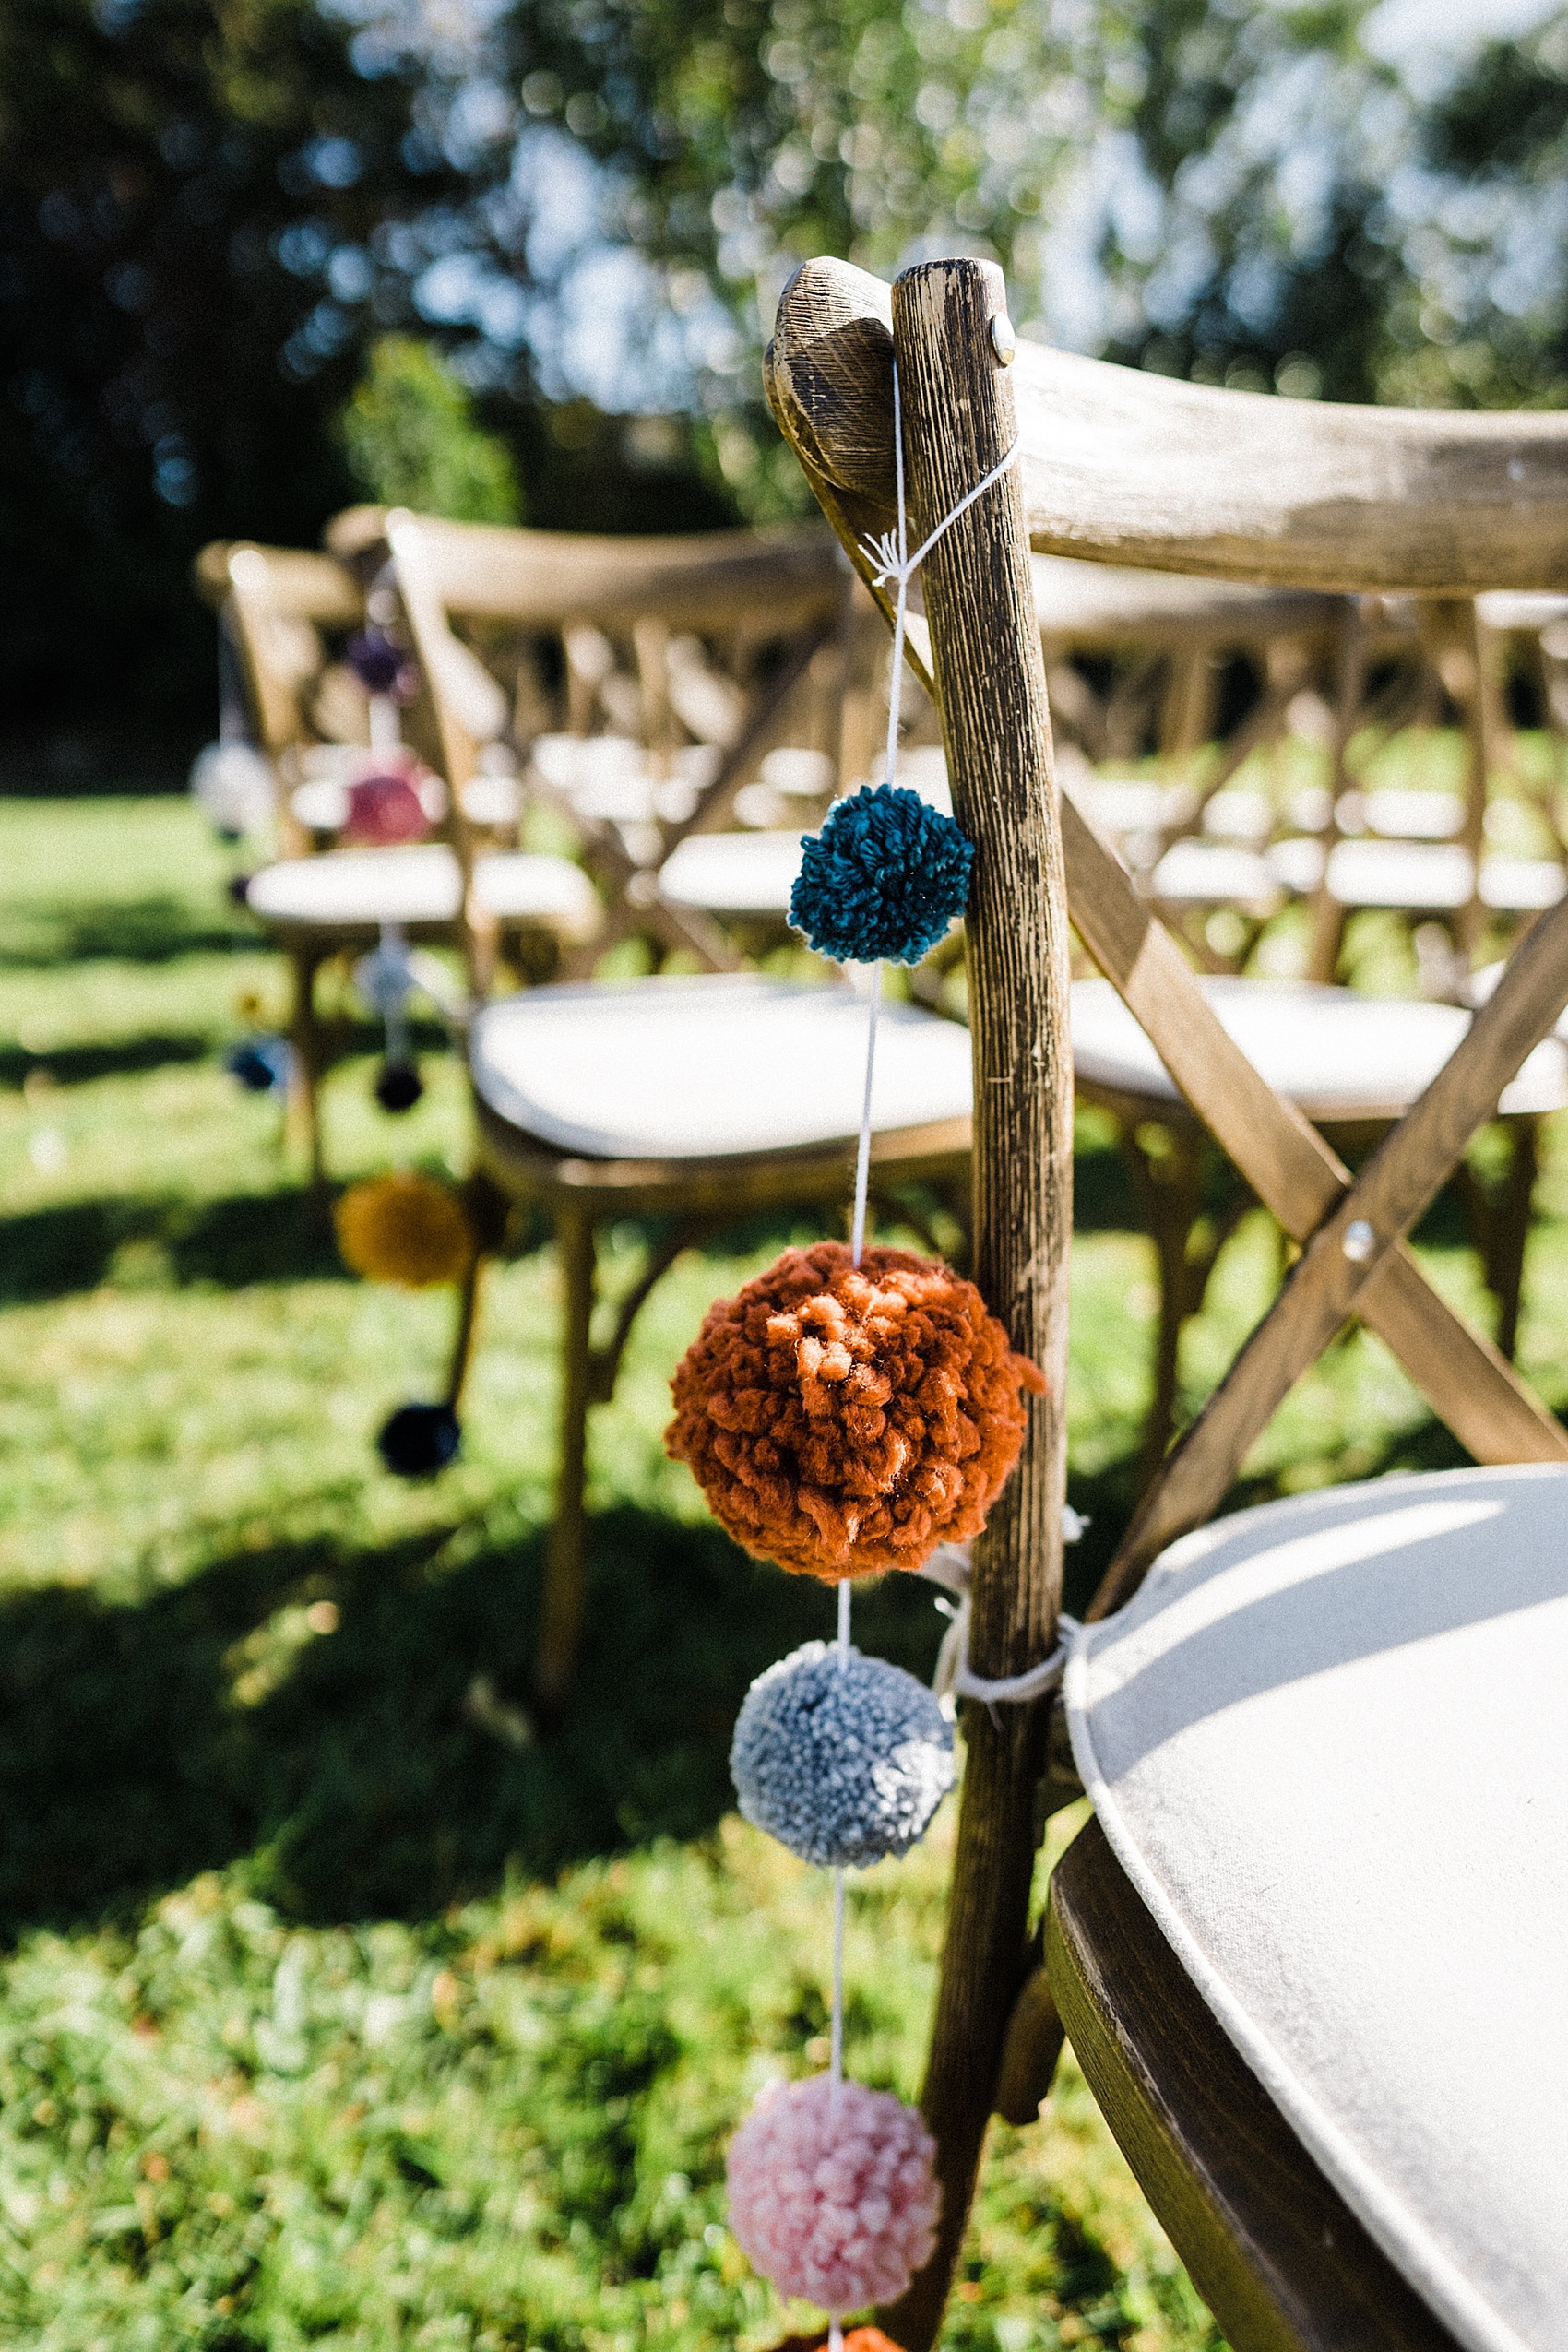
(695, 581)
(1130, 468)
(1405, 1173)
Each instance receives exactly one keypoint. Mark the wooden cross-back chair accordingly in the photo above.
(284, 607)
(775, 603)
(1335, 2065)
(1425, 853)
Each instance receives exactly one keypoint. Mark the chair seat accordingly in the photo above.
(1415, 877)
(1214, 873)
(1326, 1744)
(358, 889)
(1336, 1054)
(733, 873)
(718, 1066)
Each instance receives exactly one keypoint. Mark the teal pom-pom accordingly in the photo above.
(883, 878)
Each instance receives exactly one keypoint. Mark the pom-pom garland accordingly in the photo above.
(399, 1085)
(385, 809)
(843, 1419)
(381, 666)
(261, 1065)
(884, 877)
(418, 1440)
(405, 1229)
(832, 2192)
(843, 1760)
(233, 785)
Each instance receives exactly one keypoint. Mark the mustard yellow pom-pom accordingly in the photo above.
(404, 1229)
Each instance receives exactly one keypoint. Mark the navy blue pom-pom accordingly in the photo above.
(418, 1440)
(884, 877)
(399, 1085)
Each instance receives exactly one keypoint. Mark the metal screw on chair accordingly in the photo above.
(1003, 341)
(1359, 1240)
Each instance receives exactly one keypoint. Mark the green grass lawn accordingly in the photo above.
(336, 2006)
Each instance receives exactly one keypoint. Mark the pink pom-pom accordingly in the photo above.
(834, 2197)
(385, 809)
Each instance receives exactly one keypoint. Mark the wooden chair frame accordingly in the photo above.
(253, 588)
(1119, 466)
(648, 589)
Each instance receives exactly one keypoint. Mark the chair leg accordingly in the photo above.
(1327, 937)
(304, 1074)
(1511, 1230)
(562, 1615)
(1172, 1187)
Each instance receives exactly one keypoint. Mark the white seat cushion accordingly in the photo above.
(711, 1067)
(1336, 1054)
(732, 873)
(1416, 876)
(1214, 873)
(354, 888)
(1521, 885)
(1326, 1741)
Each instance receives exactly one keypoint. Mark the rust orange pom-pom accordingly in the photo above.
(405, 1229)
(844, 1420)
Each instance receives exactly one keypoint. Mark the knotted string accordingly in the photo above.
(891, 553)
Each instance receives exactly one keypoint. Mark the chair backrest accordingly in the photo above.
(1120, 467)
(278, 601)
(721, 631)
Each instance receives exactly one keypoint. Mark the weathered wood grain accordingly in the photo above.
(693, 580)
(1125, 466)
(991, 688)
(1274, 2249)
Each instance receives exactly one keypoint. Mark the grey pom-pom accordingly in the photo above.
(843, 1761)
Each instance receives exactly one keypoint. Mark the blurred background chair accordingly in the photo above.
(682, 703)
(290, 612)
(658, 690)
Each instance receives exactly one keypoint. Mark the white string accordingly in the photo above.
(863, 1153)
(954, 1677)
(836, 2046)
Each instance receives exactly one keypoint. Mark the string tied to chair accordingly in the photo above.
(851, 1410)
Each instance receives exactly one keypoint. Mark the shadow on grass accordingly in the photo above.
(263, 1237)
(76, 1065)
(154, 929)
(384, 1768)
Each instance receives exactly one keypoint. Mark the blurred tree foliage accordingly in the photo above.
(412, 440)
(210, 211)
(1236, 192)
(175, 176)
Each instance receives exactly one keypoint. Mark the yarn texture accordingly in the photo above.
(834, 2197)
(884, 877)
(843, 1761)
(404, 1229)
(844, 1421)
